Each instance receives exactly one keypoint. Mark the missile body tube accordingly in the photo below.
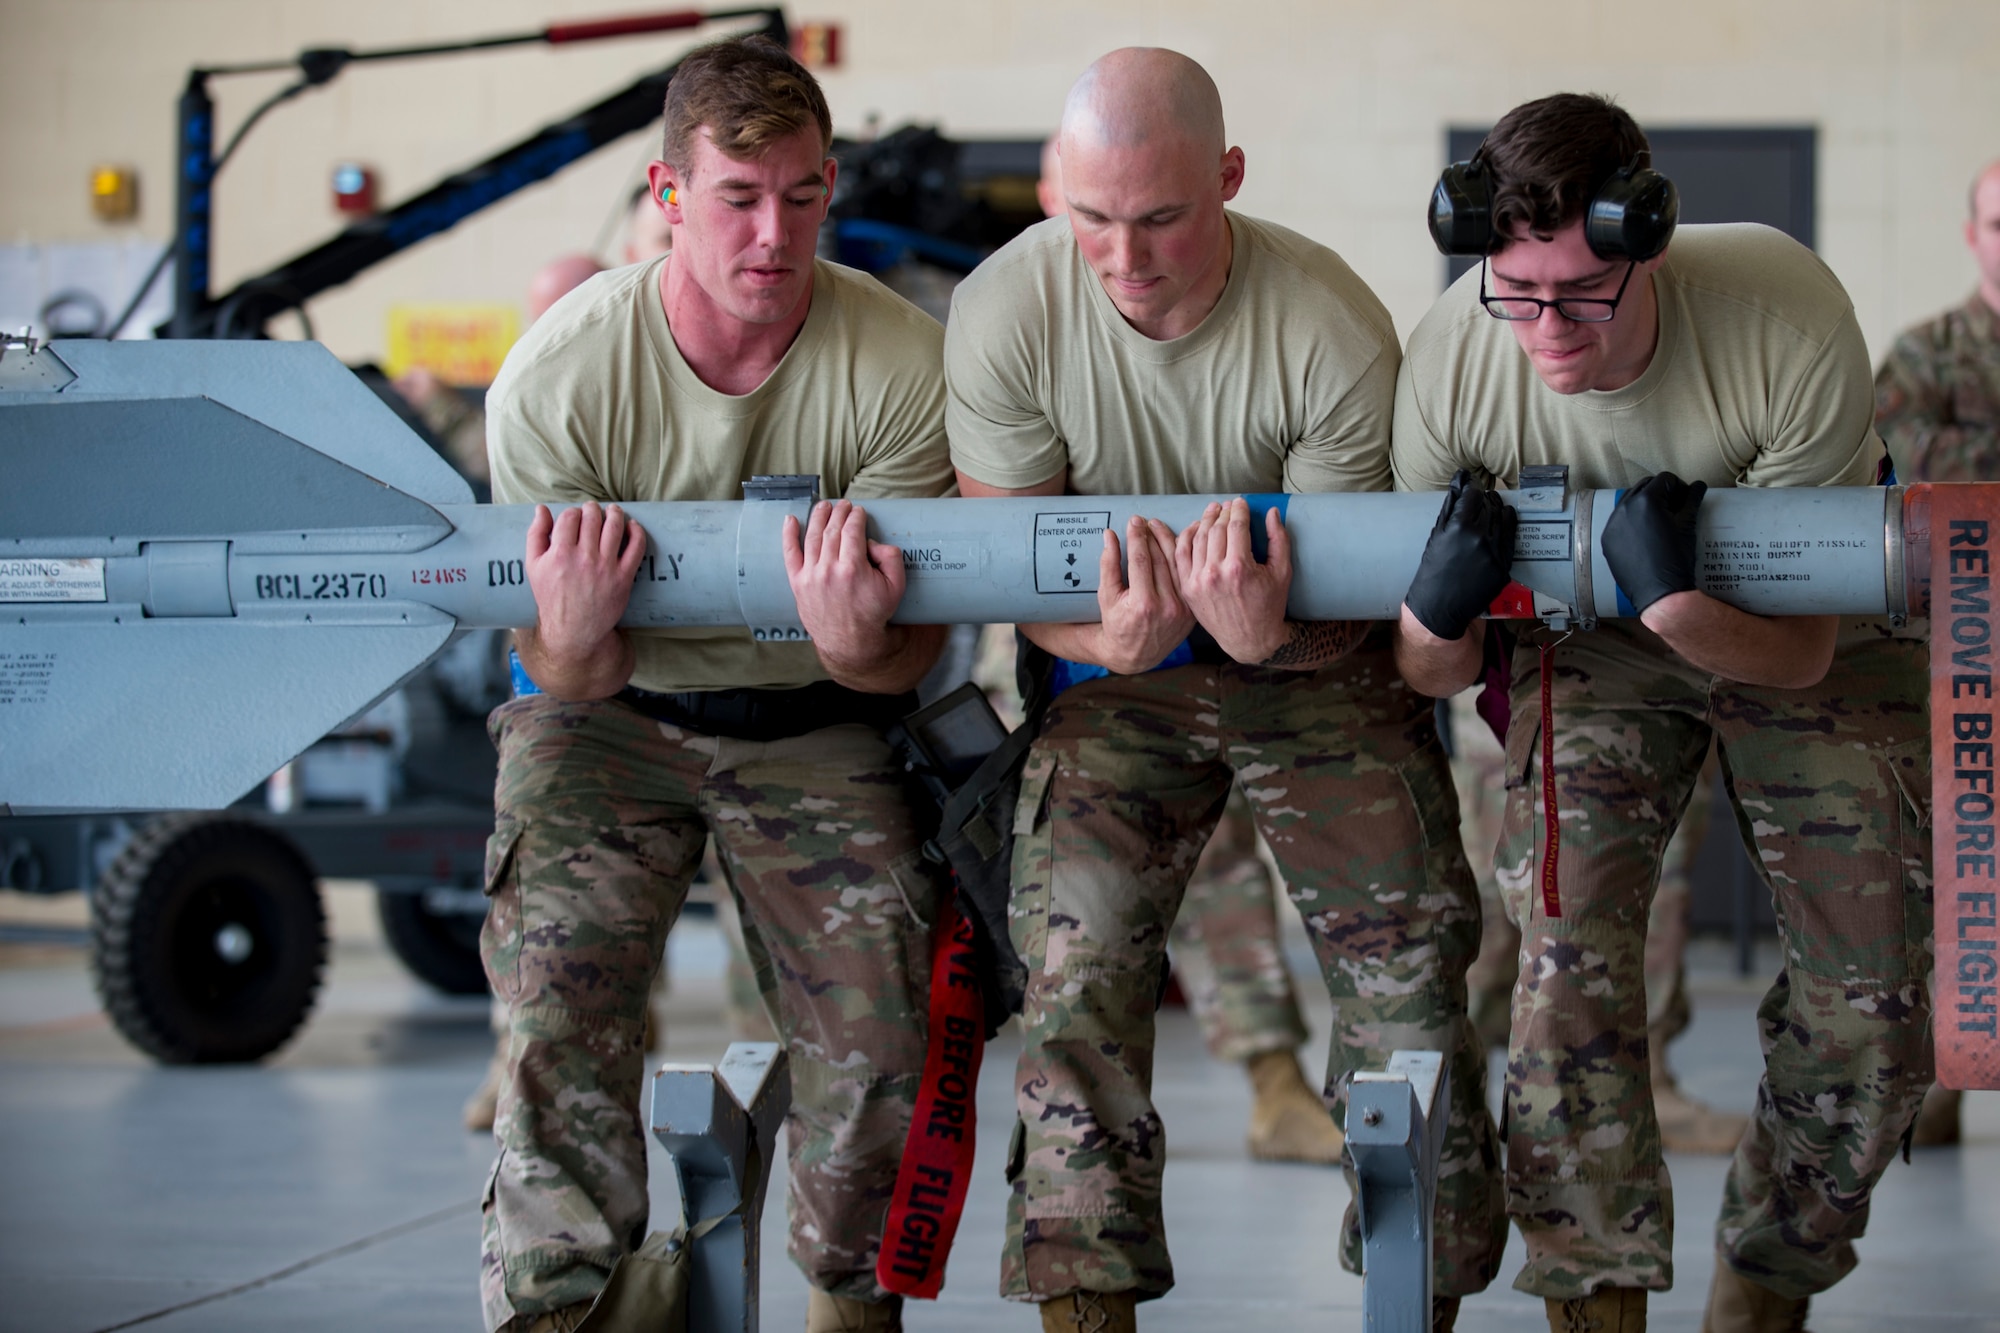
(1795, 552)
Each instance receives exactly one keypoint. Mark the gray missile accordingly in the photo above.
(213, 553)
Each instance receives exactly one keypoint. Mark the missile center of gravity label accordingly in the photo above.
(1068, 543)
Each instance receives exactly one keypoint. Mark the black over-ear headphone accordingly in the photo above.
(1632, 216)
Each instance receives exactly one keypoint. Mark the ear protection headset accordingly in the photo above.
(1632, 215)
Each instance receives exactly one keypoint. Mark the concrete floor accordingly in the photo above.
(334, 1189)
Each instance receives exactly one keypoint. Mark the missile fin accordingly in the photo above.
(297, 389)
(180, 468)
(182, 714)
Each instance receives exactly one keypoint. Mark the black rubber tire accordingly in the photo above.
(441, 948)
(187, 890)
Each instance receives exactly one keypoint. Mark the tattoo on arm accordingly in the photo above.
(1314, 643)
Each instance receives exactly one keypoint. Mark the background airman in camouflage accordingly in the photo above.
(1730, 356)
(1937, 405)
(1937, 396)
(1229, 959)
(1102, 352)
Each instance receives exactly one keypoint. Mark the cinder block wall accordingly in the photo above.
(1341, 108)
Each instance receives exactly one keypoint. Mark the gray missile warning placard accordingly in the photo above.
(53, 580)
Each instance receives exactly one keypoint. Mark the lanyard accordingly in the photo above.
(1551, 820)
(937, 1157)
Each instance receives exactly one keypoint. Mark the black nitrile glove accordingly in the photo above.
(1649, 539)
(1466, 561)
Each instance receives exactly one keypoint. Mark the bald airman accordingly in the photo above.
(1152, 340)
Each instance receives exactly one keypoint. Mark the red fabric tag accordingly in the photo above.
(1495, 704)
(1552, 823)
(1515, 602)
(937, 1158)
(1959, 525)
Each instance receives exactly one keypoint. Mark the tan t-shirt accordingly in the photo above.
(1287, 385)
(1760, 378)
(596, 403)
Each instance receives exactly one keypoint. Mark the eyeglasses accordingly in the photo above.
(1582, 310)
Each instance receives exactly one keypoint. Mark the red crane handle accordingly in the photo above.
(623, 27)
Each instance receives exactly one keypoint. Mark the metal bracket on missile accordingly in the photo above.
(783, 486)
(27, 364)
(1544, 489)
(765, 597)
(721, 1126)
(1395, 1131)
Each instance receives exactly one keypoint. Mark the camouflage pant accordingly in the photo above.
(1349, 786)
(1669, 922)
(1831, 787)
(1226, 949)
(601, 817)
(1478, 767)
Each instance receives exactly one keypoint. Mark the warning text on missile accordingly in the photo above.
(25, 678)
(1967, 988)
(53, 580)
(937, 558)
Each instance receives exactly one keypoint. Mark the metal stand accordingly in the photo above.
(1395, 1131)
(721, 1126)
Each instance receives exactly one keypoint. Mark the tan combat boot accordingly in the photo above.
(1690, 1126)
(1288, 1122)
(566, 1320)
(1091, 1312)
(827, 1313)
(484, 1102)
(1938, 1123)
(1606, 1310)
(1738, 1305)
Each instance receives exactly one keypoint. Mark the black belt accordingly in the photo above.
(1207, 652)
(770, 715)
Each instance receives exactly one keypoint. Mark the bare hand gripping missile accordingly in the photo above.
(211, 554)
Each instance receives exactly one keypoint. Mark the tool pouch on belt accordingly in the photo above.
(971, 768)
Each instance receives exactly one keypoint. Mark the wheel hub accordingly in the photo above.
(234, 943)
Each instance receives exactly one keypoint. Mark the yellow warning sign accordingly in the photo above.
(460, 344)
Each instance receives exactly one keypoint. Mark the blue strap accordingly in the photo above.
(1625, 607)
(1068, 673)
(523, 685)
(1260, 505)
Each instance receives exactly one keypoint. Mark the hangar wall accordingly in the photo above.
(1340, 106)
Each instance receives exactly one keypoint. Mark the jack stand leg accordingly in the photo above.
(721, 1126)
(1395, 1130)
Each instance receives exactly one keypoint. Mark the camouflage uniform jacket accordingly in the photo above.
(1937, 397)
